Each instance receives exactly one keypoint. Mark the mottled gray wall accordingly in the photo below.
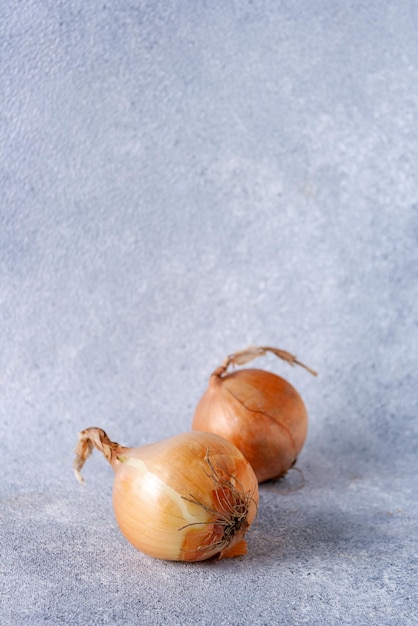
(181, 179)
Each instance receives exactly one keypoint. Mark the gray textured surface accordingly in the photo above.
(179, 180)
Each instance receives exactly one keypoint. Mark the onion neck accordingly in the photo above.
(253, 352)
(220, 372)
(89, 439)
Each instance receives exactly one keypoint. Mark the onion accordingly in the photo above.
(259, 412)
(187, 498)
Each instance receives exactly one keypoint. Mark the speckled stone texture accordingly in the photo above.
(179, 180)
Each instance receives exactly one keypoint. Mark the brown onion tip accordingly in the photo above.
(88, 439)
(242, 357)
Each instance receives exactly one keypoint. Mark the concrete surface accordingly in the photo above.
(180, 180)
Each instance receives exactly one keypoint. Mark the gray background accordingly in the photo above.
(179, 180)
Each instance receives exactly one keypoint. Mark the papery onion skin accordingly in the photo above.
(187, 498)
(261, 413)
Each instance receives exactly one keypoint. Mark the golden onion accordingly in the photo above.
(186, 498)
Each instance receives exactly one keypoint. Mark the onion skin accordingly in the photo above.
(259, 412)
(187, 498)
